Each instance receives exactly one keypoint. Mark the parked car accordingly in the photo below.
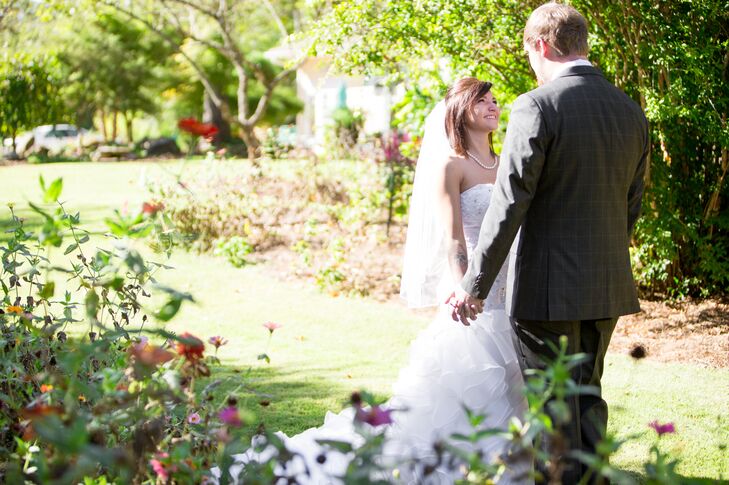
(55, 139)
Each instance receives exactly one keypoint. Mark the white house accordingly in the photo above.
(323, 90)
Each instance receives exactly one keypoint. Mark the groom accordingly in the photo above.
(570, 184)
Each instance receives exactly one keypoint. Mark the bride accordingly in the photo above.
(451, 366)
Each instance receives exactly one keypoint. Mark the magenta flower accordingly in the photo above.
(230, 416)
(662, 429)
(374, 416)
(217, 341)
(193, 418)
(271, 326)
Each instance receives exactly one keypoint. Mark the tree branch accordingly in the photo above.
(194, 6)
(276, 18)
(7, 7)
(204, 79)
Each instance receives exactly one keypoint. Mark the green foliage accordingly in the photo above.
(29, 94)
(429, 44)
(114, 66)
(75, 404)
(671, 58)
(188, 93)
(335, 214)
(234, 249)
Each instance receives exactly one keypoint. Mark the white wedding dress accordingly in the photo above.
(450, 366)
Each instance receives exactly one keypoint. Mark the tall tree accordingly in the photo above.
(28, 95)
(115, 67)
(239, 31)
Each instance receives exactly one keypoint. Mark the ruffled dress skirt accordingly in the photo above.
(450, 366)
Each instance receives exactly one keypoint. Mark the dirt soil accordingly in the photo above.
(695, 332)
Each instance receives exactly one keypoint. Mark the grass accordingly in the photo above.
(329, 347)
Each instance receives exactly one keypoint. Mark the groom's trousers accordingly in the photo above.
(588, 412)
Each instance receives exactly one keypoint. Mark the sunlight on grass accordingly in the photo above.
(329, 347)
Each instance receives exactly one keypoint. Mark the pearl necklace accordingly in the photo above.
(496, 161)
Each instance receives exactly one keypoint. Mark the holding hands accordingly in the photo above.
(464, 307)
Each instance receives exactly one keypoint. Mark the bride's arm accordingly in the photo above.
(449, 207)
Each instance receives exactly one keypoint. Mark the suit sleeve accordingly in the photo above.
(635, 193)
(522, 159)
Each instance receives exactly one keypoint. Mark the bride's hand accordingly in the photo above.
(464, 306)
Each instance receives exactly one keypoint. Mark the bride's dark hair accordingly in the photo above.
(459, 98)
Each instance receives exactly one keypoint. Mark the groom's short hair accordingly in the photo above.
(560, 26)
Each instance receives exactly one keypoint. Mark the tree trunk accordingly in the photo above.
(129, 120)
(252, 143)
(104, 131)
(212, 114)
(114, 126)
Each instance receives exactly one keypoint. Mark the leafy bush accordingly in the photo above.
(361, 205)
(103, 403)
(235, 249)
(347, 126)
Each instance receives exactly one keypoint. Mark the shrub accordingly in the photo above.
(362, 205)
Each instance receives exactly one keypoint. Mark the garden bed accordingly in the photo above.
(332, 232)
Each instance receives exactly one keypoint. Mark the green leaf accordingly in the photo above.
(92, 305)
(135, 262)
(47, 291)
(264, 357)
(169, 310)
(70, 248)
(52, 193)
(115, 228)
(40, 211)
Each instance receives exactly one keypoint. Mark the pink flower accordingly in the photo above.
(374, 416)
(217, 341)
(662, 429)
(271, 326)
(193, 418)
(230, 416)
(159, 469)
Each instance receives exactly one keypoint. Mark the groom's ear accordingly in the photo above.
(544, 49)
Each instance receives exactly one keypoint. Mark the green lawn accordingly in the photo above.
(329, 347)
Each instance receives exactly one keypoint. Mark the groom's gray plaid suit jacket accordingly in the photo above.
(571, 177)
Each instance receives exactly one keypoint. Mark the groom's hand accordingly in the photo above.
(464, 306)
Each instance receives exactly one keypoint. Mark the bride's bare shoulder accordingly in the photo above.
(453, 164)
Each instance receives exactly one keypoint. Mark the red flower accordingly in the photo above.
(374, 416)
(230, 416)
(151, 208)
(662, 429)
(190, 347)
(271, 326)
(194, 127)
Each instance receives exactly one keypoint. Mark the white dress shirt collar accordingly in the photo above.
(566, 65)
